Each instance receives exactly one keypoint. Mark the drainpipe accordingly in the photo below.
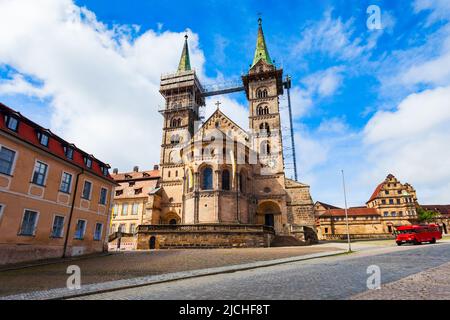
(71, 212)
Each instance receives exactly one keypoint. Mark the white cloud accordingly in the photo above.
(103, 82)
(335, 38)
(412, 141)
(439, 9)
(19, 85)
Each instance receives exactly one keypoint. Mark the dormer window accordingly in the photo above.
(68, 151)
(43, 138)
(88, 162)
(104, 170)
(12, 122)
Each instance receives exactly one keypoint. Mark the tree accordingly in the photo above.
(426, 215)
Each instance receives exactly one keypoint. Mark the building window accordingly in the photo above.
(135, 209)
(207, 179)
(175, 139)
(386, 192)
(98, 232)
(264, 128)
(1, 210)
(121, 228)
(66, 182)
(103, 195)
(88, 162)
(225, 180)
(12, 123)
(242, 180)
(104, 170)
(43, 139)
(115, 210)
(87, 190)
(398, 201)
(265, 148)
(119, 193)
(383, 201)
(386, 214)
(113, 228)
(68, 152)
(391, 201)
(394, 214)
(58, 227)
(29, 222)
(138, 191)
(125, 209)
(6, 160)
(40, 172)
(132, 228)
(80, 229)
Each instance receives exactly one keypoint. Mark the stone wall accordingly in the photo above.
(204, 236)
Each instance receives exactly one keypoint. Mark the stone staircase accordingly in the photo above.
(286, 241)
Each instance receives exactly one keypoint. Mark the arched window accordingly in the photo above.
(189, 180)
(264, 128)
(173, 222)
(264, 148)
(225, 180)
(242, 180)
(264, 93)
(175, 139)
(259, 111)
(266, 110)
(207, 179)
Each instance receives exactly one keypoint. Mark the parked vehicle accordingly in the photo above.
(416, 234)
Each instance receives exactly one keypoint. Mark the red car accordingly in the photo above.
(417, 234)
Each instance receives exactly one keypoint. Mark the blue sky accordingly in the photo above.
(371, 102)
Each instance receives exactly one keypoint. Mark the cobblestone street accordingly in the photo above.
(339, 277)
(128, 265)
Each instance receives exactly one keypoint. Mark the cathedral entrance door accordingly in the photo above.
(269, 220)
(152, 243)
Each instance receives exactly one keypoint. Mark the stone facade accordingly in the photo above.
(204, 236)
(392, 204)
(214, 172)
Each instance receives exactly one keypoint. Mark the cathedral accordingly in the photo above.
(218, 183)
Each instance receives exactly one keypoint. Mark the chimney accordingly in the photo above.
(115, 171)
(155, 167)
(136, 169)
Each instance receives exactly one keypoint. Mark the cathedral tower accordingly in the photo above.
(182, 93)
(263, 84)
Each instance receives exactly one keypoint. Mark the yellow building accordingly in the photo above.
(135, 199)
(392, 204)
(55, 199)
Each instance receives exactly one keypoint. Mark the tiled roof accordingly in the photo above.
(140, 175)
(351, 212)
(27, 132)
(376, 192)
(442, 209)
(328, 206)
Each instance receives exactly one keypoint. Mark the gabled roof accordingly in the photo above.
(352, 212)
(140, 175)
(376, 192)
(326, 205)
(219, 113)
(185, 61)
(261, 52)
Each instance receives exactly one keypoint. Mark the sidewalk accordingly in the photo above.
(128, 267)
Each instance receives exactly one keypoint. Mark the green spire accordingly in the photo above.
(261, 51)
(185, 62)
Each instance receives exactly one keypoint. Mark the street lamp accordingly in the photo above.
(346, 213)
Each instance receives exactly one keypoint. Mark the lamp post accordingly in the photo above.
(346, 213)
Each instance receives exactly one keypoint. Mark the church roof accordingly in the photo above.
(185, 62)
(261, 52)
(219, 112)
